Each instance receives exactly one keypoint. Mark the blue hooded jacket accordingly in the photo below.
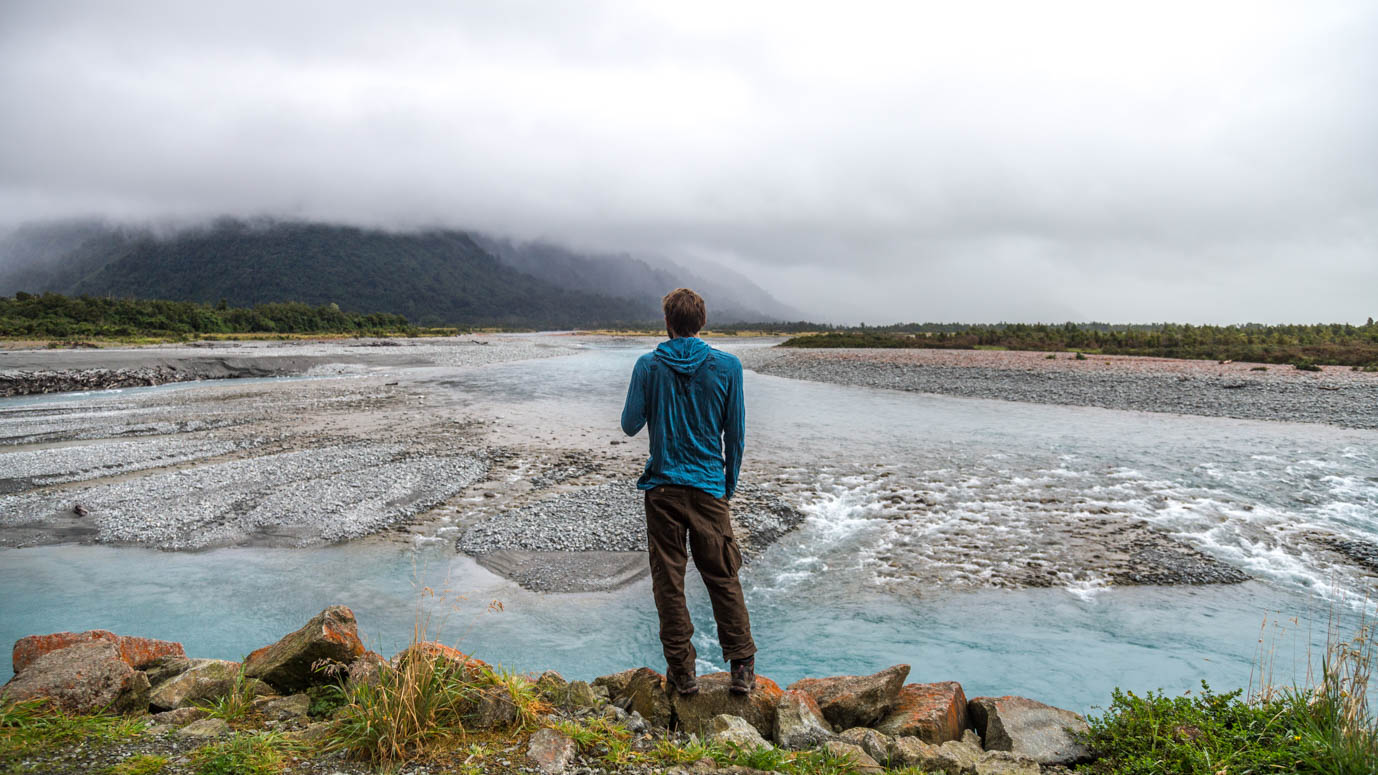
(689, 395)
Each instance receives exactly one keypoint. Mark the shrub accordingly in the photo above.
(409, 712)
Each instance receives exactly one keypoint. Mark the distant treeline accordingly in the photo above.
(1336, 343)
(54, 316)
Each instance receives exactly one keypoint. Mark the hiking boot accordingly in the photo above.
(685, 683)
(743, 675)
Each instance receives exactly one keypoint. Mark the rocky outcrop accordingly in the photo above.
(695, 712)
(934, 713)
(87, 677)
(734, 730)
(799, 722)
(134, 651)
(1029, 728)
(291, 664)
(855, 701)
(204, 680)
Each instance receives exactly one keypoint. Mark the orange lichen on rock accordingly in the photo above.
(430, 648)
(934, 713)
(134, 651)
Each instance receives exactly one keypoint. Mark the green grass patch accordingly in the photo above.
(263, 753)
(31, 726)
(237, 705)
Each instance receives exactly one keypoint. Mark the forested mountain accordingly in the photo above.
(431, 277)
(730, 296)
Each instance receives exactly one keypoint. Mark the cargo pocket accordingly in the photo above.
(732, 555)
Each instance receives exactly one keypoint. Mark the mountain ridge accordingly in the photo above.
(433, 277)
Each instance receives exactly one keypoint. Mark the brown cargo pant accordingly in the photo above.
(674, 513)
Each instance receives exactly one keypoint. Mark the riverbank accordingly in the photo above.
(1332, 395)
(318, 702)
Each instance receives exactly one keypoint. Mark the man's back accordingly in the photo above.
(689, 396)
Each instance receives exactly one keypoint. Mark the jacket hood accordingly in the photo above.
(685, 355)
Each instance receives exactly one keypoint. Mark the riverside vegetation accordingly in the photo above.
(57, 317)
(318, 702)
(1303, 345)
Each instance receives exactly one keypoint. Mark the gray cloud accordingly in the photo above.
(882, 161)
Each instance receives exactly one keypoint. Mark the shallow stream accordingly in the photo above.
(921, 510)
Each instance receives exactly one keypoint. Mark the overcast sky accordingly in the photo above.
(1198, 161)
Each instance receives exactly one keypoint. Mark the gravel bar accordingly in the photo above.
(1334, 396)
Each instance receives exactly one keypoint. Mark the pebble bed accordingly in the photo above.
(29, 469)
(304, 497)
(611, 518)
(1334, 396)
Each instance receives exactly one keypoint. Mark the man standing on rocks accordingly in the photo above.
(689, 396)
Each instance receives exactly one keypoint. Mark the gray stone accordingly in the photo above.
(163, 668)
(579, 695)
(206, 680)
(862, 760)
(869, 740)
(550, 752)
(206, 727)
(909, 751)
(855, 700)
(735, 730)
(283, 708)
(179, 717)
(1006, 763)
(799, 723)
(1029, 728)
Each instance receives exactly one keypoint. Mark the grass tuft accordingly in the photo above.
(244, 754)
(237, 705)
(32, 725)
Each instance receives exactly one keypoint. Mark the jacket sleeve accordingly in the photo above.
(634, 408)
(734, 430)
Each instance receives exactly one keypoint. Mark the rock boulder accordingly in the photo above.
(696, 711)
(205, 680)
(799, 723)
(862, 760)
(550, 752)
(134, 651)
(855, 701)
(290, 664)
(1029, 728)
(934, 713)
(88, 677)
(734, 730)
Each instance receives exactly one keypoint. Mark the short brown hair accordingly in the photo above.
(684, 312)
